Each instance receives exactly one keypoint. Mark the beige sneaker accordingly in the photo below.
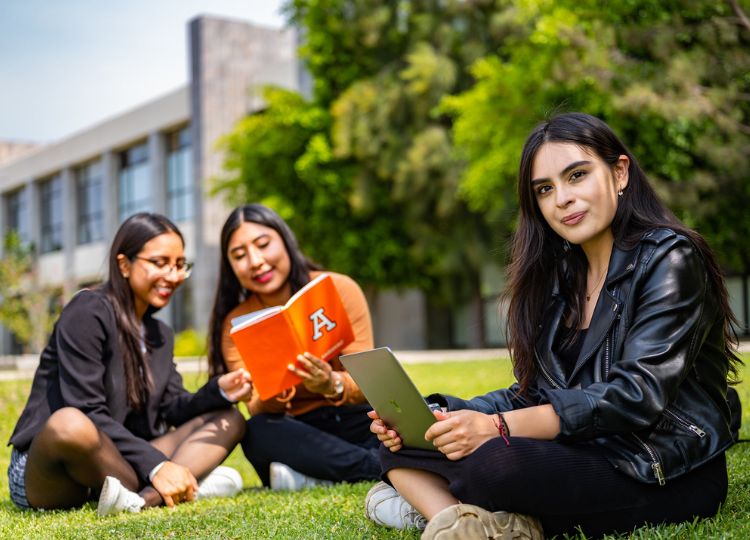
(466, 521)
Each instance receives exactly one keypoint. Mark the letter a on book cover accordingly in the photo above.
(313, 320)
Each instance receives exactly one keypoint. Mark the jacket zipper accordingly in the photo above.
(606, 359)
(655, 463)
(547, 375)
(684, 423)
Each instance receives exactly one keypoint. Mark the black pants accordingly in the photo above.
(329, 443)
(568, 486)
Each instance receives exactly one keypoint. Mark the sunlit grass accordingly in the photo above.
(335, 512)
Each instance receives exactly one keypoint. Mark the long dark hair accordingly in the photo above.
(229, 291)
(537, 252)
(129, 240)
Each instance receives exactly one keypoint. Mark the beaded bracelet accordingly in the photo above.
(502, 428)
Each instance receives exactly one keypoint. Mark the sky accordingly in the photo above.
(68, 64)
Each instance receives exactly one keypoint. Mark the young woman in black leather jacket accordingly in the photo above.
(620, 330)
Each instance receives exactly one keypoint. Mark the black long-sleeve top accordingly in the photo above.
(82, 367)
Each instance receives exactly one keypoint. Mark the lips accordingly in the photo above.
(263, 278)
(573, 219)
(164, 292)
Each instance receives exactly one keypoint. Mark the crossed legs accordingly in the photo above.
(70, 457)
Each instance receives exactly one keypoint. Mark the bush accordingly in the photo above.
(190, 342)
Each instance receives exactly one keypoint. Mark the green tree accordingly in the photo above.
(366, 171)
(673, 78)
(27, 309)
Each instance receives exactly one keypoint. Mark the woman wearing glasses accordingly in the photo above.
(108, 414)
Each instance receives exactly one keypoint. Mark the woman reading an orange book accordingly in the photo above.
(318, 431)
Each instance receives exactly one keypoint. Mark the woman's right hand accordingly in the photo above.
(389, 437)
(175, 483)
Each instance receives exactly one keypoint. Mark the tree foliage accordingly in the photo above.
(26, 309)
(672, 78)
(400, 168)
(368, 175)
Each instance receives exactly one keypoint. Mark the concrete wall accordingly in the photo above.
(230, 60)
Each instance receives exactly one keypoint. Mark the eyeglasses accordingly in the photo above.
(163, 268)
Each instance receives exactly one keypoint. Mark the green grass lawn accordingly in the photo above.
(322, 512)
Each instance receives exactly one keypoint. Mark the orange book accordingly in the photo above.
(313, 320)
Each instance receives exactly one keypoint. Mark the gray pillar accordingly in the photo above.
(157, 149)
(70, 229)
(3, 232)
(4, 334)
(110, 187)
(34, 215)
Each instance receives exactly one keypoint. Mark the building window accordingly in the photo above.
(17, 214)
(51, 210)
(135, 185)
(179, 176)
(89, 202)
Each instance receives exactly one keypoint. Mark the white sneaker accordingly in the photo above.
(221, 482)
(116, 498)
(385, 506)
(284, 478)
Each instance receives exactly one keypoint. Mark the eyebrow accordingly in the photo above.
(260, 236)
(564, 171)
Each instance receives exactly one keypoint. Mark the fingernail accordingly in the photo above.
(290, 367)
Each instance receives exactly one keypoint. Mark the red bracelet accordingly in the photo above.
(502, 428)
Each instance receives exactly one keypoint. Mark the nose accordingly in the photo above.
(256, 257)
(173, 276)
(563, 196)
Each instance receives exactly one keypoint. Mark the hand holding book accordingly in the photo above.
(316, 375)
(313, 321)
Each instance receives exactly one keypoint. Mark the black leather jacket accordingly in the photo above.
(649, 386)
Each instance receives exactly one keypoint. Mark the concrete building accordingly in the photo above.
(69, 197)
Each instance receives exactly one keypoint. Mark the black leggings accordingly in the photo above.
(329, 443)
(567, 486)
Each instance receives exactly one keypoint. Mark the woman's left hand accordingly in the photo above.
(461, 432)
(316, 375)
(237, 385)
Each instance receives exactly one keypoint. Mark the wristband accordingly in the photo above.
(155, 470)
(502, 428)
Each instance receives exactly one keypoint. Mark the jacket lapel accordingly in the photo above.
(621, 264)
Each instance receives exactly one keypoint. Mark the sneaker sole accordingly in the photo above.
(466, 521)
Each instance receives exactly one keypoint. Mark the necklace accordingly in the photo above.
(598, 282)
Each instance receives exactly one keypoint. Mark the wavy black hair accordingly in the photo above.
(537, 252)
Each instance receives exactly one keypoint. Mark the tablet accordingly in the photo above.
(392, 394)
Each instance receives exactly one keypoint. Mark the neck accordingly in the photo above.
(276, 298)
(598, 251)
(140, 309)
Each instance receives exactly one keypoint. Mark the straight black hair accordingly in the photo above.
(129, 240)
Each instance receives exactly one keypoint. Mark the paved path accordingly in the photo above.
(22, 367)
